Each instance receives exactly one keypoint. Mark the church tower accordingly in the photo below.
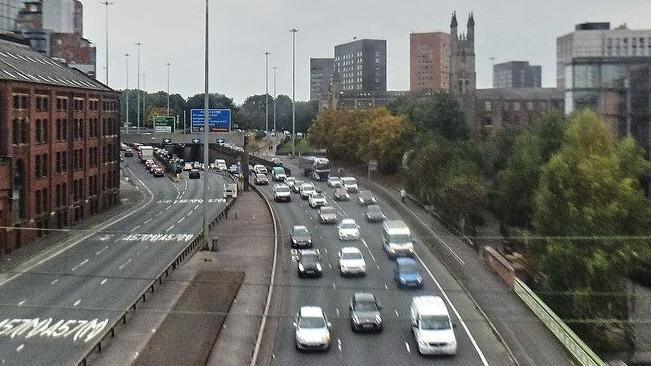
(463, 78)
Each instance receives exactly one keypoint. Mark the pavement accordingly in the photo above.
(57, 310)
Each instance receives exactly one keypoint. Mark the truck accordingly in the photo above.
(315, 167)
(146, 153)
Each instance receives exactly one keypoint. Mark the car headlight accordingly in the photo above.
(422, 342)
(300, 267)
(293, 240)
(309, 241)
(355, 319)
(403, 280)
(419, 278)
(318, 267)
(378, 318)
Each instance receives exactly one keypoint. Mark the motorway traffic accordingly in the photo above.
(331, 291)
(54, 312)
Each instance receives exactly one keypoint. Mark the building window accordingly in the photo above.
(516, 106)
(15, 131)
(488, 106)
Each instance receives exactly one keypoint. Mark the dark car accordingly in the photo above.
(158, 172)
(365, 198)
(328, 215)
(300, 237)
(277, 162)
(128, 153)
(260, 179)
(309, 264)
(365, 313)
(407, 274)
(374, 214)
(194, 174)
(341, 194)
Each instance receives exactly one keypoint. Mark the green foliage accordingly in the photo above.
(439, 113)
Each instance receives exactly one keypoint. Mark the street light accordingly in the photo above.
(107, 4)
(207, 242)
(266, 92)
(126, 56)
(138, 44)
(144, 98)
(293, 30)
(168, 88)
(275, 68)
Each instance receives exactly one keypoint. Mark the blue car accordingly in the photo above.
(407, 273)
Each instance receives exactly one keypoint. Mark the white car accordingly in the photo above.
(187, 167)
(259, 169)
(312, 329)
(348, 230)
(351, 262)
(317, 200)
(350, 184)
(282, 193)
(306, 190)
(290, 181)
(334, 182)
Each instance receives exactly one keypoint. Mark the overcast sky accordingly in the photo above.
(242, 30)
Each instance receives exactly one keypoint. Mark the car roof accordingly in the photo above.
(348, 221)
(326, 208)
(430, 305)
(333, 177)
(297, 227)
(350, 250)
(311, 311)
(373, 207)
(405, 261)
(364, 296)
(308, 251)
(307, 185)
(194, 170)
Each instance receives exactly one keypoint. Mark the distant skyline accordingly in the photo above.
(242, 31)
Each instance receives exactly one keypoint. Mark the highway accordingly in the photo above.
(53, 313)
(395, 345)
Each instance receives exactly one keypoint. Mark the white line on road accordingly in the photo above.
(103, 281)
(147, 221)
(333, 285)
(21, 303)
(135, 228)
(407, 347)
(337, 310)
(20, 348)
(76, 303)
(125, 263)
(169, 228)
(396, 312)
(386, 286)
(329, 266)
(339, 344)
(454, 309)
(80, 264)
(53, 282)
(180, 220)
(101, 250)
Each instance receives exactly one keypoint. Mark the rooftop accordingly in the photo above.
(520, 93)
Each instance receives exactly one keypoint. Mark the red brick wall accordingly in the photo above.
(437, 42)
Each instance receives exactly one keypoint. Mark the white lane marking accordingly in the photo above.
(396, 312)
(76, 303)
(21, 303)
(101, 250)
(325, 250)
(20, 348)
(180, 220)
(125, 263)
(53, 282)
(135, 228)
(372, 256)
(169, 228)
(339, 344)
(80, 264)
(378, 266)
(333, 285)
(103, 281)
(337, 311)
(454, 309)
(436, 236)
(407, 346)
(189, 213)
(147, 221)
(329, 266)
(386, 286)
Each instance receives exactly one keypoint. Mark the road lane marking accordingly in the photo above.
(180, 220)
(337, 312)
(53, 282)
(454, 309)
(407, 346)
(147, 221)
(80, 264)
(101, 250)
(169, 228)
(103, 281)
(76, 303)
(339, 344)
(333, 285)
(125, 263)
(20, 348)
(396, 312)
(378, 266)
(386, 286)
(135, 228)
(21, 303)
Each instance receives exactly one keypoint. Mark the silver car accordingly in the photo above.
(312, 329)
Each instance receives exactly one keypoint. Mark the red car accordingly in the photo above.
(158, 172)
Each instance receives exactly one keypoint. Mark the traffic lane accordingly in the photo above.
(336, 305)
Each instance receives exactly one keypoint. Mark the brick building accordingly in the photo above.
(429, 62)
(59, 145)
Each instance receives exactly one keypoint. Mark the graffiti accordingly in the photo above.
(192, 200)
(157, 237)
(77, 330)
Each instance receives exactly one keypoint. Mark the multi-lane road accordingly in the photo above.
(52, 313)
(395, 345)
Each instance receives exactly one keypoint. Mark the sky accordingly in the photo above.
(241, 31)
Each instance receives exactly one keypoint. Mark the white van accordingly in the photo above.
(432, 327)
(396, 239)
(350, 184)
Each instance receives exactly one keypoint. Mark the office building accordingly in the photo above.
(516, 107)
(59, 145)
(321, 70)
(361, 66)
(517, 74)
(8, 14)
(429, 62)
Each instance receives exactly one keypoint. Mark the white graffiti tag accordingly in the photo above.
(77, 330)
(158, 237)
(192, 200)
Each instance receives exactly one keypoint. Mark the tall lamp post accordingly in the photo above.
(168, 88)
(107, 4)
(138, 44)
(144, 99)
(266, 93)
(126, 56)
(275, 68)
(207, 242)
(293, 30)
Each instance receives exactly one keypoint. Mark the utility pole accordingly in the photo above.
(275, 68)
(293, 30)
(207, 241)
(126, 56)
(107, 4)
(144, 98)
(266, 93)
(138, 92)
(168, 88)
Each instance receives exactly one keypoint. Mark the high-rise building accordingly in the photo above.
(321, 70)
(361, 65)
(429, 62)
(8, 14)
(517, 74)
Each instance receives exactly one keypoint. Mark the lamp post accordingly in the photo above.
(207, 242)
(107, 4)
(126, 56)
(168, 88)
(144, 99)
(138, 44)
(275, 68)
(293, 30)
(266, 93)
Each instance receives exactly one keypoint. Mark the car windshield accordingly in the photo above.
(309, 258)
(283, 189)
(317, 195)
(311, 322)
(366, 306)
(307, 187)
(328, 211)
(348, 225)
(348, 181)
(334, 179)
(374, 209)
(409, 268)
(434, 322)
(261, 176)
(400, 239)
(301, 231)
(351, 255)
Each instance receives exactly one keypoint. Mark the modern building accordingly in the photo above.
(361, 66)
(516, 107)
(321, 70)
(517, 74)
(429, 62)
(55, 28)
(8, 14)
(59, 145)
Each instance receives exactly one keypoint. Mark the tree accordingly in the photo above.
(590, 204)
(439, 113)
(462, 198)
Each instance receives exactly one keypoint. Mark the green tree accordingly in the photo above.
(439, 113)
(462, 198)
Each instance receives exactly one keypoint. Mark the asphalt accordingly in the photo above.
(53, 313)
(478, 344)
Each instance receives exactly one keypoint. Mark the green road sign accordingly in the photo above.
(164, 124)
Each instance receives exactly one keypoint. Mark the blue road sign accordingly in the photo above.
(220, 120)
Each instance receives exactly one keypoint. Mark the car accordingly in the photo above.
(312, 329)
(365, 313)
(397, 240)
(194, 174)
(278, 174)
(351, 262)
(220, 165)
(334, 182)
(259, 169)
(152, 167)
(290, 181)
(281, 192)
(277, 162)
(365, 198)
(123, 146)
(187, 167)
(328, 215)
(317, 199)
(233, 169)
(306, 190)
(350, 184)
(348, 230)
(374, 214)
(309, 264)
(406, 273)
(196, 165)
(221, 141)
(296, 187)
(432, 326)
(260, 179)
(300, 237)
(159, 172)
(128, 152)
(340, 194)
